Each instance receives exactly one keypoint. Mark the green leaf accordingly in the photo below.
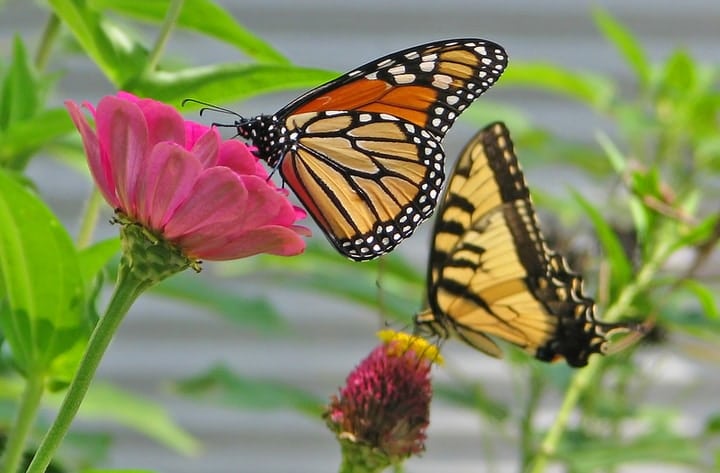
(95, 257)
(41, 286)
(704, 295)
(712, 424)
(657, 447)
(23, 138)
(679, 77)
(626, 44)
(620, 266)
(194, 17)
(115, 53)
(595, 90)
(614, 155)
(20, 97)
(702, 233)
(221, 386)
(227, 82)
(107, 402)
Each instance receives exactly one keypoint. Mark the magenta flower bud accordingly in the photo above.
(381, 414)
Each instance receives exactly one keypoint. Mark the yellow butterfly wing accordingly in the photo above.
(491, 273)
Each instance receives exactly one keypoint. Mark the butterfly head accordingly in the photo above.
(268, 134)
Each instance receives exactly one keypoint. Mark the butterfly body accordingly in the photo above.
(491, 273)
(363, 152)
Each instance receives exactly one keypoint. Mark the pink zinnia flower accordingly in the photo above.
(209, 198)
(382, 412)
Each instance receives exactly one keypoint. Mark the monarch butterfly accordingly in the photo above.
(491, 273)
(363, 152)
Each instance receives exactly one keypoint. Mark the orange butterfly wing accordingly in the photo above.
(363, 152)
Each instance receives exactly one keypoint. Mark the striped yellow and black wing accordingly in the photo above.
(490, 272)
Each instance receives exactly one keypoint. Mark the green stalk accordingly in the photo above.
(29, 404)
(170, 19)
(128, 288)
(52, 27)
(585, 377)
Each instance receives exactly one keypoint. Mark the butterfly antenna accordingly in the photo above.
(206, 106)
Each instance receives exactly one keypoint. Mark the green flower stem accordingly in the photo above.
(129, 287)
(584, 377)
(29, 404)
(52, 27)
(89, 219)
(170, 19)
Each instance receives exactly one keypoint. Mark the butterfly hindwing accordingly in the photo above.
(490, 272)
(369, 184)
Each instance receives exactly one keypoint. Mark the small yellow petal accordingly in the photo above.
(402, 342)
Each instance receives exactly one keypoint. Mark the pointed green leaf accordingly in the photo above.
(620, 265)
(115, 53)
(194, 16)
(704, 232)
(227, 82)
(221, 386)
(679, 77)
(23, 138)
(626, 44)
(705, 296)
(19, 98)
(41, 286)
(592, 89)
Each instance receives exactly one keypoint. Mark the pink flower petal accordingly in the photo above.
(169, 175)
(269, 207)
(193, 132)
(218, 198)
(164, 123)
(98, 163)
(122, 129)
(206, 148)
(238, 157)
(272, 239)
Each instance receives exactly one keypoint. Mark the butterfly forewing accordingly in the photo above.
(428, 85)
(363, 151)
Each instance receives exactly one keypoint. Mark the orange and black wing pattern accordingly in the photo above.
(491, 274)
(363, 152)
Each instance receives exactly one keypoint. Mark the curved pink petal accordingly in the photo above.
(97, 162)
(273, 239)
(238, 157)
(206, 148)
(193, 132)
(269, 206)
(164, 123)
(169, 175)
(122, 131)
(218, 201)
